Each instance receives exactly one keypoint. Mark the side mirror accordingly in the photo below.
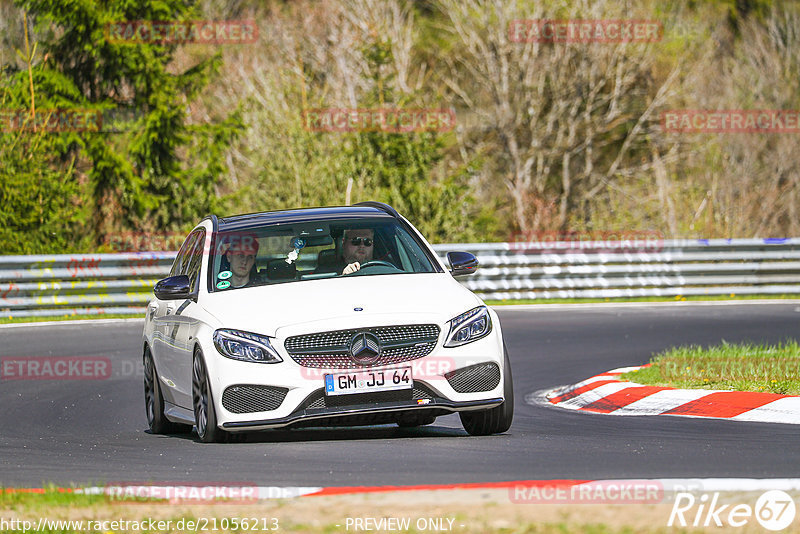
(462, 263)
(174, 288)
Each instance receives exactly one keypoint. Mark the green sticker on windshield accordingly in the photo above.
(224, 275)
(223, 285)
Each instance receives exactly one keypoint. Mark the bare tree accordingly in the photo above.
(568, 120)
(756, 175)
(312, 54)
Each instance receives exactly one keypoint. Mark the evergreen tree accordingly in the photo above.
(159, 172)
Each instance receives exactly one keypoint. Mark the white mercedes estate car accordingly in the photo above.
(336, 316)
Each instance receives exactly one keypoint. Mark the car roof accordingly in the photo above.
(250, 220)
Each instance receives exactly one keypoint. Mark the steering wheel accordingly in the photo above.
(375, 263)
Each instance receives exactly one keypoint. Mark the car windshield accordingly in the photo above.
(291, 252)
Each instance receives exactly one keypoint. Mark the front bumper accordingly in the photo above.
(314, 411)
(303, 402)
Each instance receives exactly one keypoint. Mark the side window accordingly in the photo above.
(404, 259)
(195, 260)
(413, 252)
(183, 255)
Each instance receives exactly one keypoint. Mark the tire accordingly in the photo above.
(494, 420)
(154, 401)
(205, 415)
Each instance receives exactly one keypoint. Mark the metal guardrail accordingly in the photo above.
(80, 284)
(648, 268)
(99, 284)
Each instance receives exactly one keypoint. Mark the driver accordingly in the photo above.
(357, 248)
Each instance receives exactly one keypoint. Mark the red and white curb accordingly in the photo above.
(607, 394)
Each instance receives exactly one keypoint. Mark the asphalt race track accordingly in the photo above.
(93, 431)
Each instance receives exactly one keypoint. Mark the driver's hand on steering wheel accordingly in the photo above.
(351, 268)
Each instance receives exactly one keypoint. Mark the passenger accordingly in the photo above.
(241, 256)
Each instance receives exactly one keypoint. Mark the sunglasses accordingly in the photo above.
(356, 241)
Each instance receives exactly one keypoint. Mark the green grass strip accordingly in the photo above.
(49, 495)
(740, 367)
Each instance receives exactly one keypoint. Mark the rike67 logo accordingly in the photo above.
(774, 510)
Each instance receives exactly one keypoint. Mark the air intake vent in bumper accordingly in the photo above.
(251, 399)
(320, 400)
(480, 377)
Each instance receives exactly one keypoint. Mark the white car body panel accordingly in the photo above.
(335, 298)
(175, 329)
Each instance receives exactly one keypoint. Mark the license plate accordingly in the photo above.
(364, 381)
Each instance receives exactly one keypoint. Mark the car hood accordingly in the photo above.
(329, 304)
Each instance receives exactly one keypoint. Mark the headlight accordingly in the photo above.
(245, 346)
(469, 326)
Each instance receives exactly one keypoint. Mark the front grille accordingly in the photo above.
(343, 360)
(399, 343)
(320, 400)
(480, 377)
(249, 399)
